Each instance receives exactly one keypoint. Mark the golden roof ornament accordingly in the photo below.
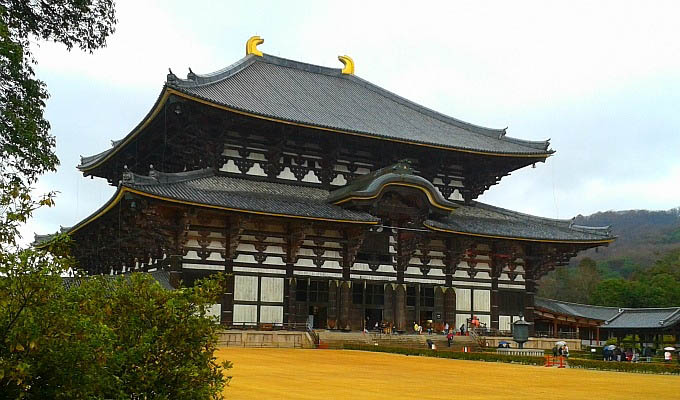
(348, 63)
(251, 46)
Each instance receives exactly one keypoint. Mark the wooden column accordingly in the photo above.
(388, 310)
(345, 302)
(290, 305)
(450, 306)
(530, 292)
(496, 268)
(333, 304)
(400, 307)
(232, 233)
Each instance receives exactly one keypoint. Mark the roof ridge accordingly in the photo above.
(577, 304)
(196, 80)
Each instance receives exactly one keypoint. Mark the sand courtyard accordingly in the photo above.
(340, 374)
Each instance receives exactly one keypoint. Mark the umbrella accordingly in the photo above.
(503, 342)
(669, 348)
(561, 343)
(611, 347)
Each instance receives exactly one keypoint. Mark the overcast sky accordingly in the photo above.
(600, 79)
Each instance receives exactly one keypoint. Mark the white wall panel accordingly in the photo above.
(504, 322)
(272, 289)
(215, 311)
(482, 300)
(271, 314)
(245, 288)
(245, 314)
(461, 319)
(485, 320)
(463, 299)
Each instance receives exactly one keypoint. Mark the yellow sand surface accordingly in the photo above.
(343, 374)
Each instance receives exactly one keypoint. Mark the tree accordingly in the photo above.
(99, 338)
(107, 337)
(26, 145)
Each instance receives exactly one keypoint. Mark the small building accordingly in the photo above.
(593, 325)
(328, 200)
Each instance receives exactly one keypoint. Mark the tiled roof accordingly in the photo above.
(370, 185)
(651, 318)
(205, 188)
(325, 98)
(578, 310)
(486, 220)
(613, 317)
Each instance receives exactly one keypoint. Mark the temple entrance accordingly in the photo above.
(426, 320)
(373, 316)
(318, 317)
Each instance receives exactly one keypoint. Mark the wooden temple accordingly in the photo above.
(326, 199)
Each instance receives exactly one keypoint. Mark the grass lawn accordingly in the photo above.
(343, 374)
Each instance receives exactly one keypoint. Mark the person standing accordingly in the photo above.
(449, 337)
(565, 351)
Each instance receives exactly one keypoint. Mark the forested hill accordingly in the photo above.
(643, 237)
(640, 269)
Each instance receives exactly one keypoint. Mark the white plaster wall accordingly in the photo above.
(215, 311)
(271, 314)
(245, 314)
(245, 288)
(272, 289)
(463, 299)
(482, 300)
(504, 322)
(461, 319)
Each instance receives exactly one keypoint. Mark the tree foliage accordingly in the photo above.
(26, 145)
(123, 337)
(97, 337)
(653, 286)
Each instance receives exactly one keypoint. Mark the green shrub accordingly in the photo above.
(645, 368)
(490, 357)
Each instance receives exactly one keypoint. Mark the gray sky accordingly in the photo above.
(601, 79)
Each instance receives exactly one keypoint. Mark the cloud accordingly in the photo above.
(598, 78)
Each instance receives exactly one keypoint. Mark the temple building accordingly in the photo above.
(326, 199)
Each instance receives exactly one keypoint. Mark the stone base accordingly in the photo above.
(534, 343)
(284, 339)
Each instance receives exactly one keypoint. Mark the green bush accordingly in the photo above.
(646, 368)
(490, 357)
(122, 338)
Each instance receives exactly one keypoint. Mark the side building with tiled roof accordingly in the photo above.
(593, 325)
(328, 201)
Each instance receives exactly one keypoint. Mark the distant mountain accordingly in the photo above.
(643, 236)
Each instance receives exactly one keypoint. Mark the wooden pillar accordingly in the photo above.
(290, 305)
(555, 327)
(400, 307)
(345, 301)
(530, 292)
(495, 297)
(597, 335)
(388, 310)
(333, 304)
(450, 306)
(439, 308)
